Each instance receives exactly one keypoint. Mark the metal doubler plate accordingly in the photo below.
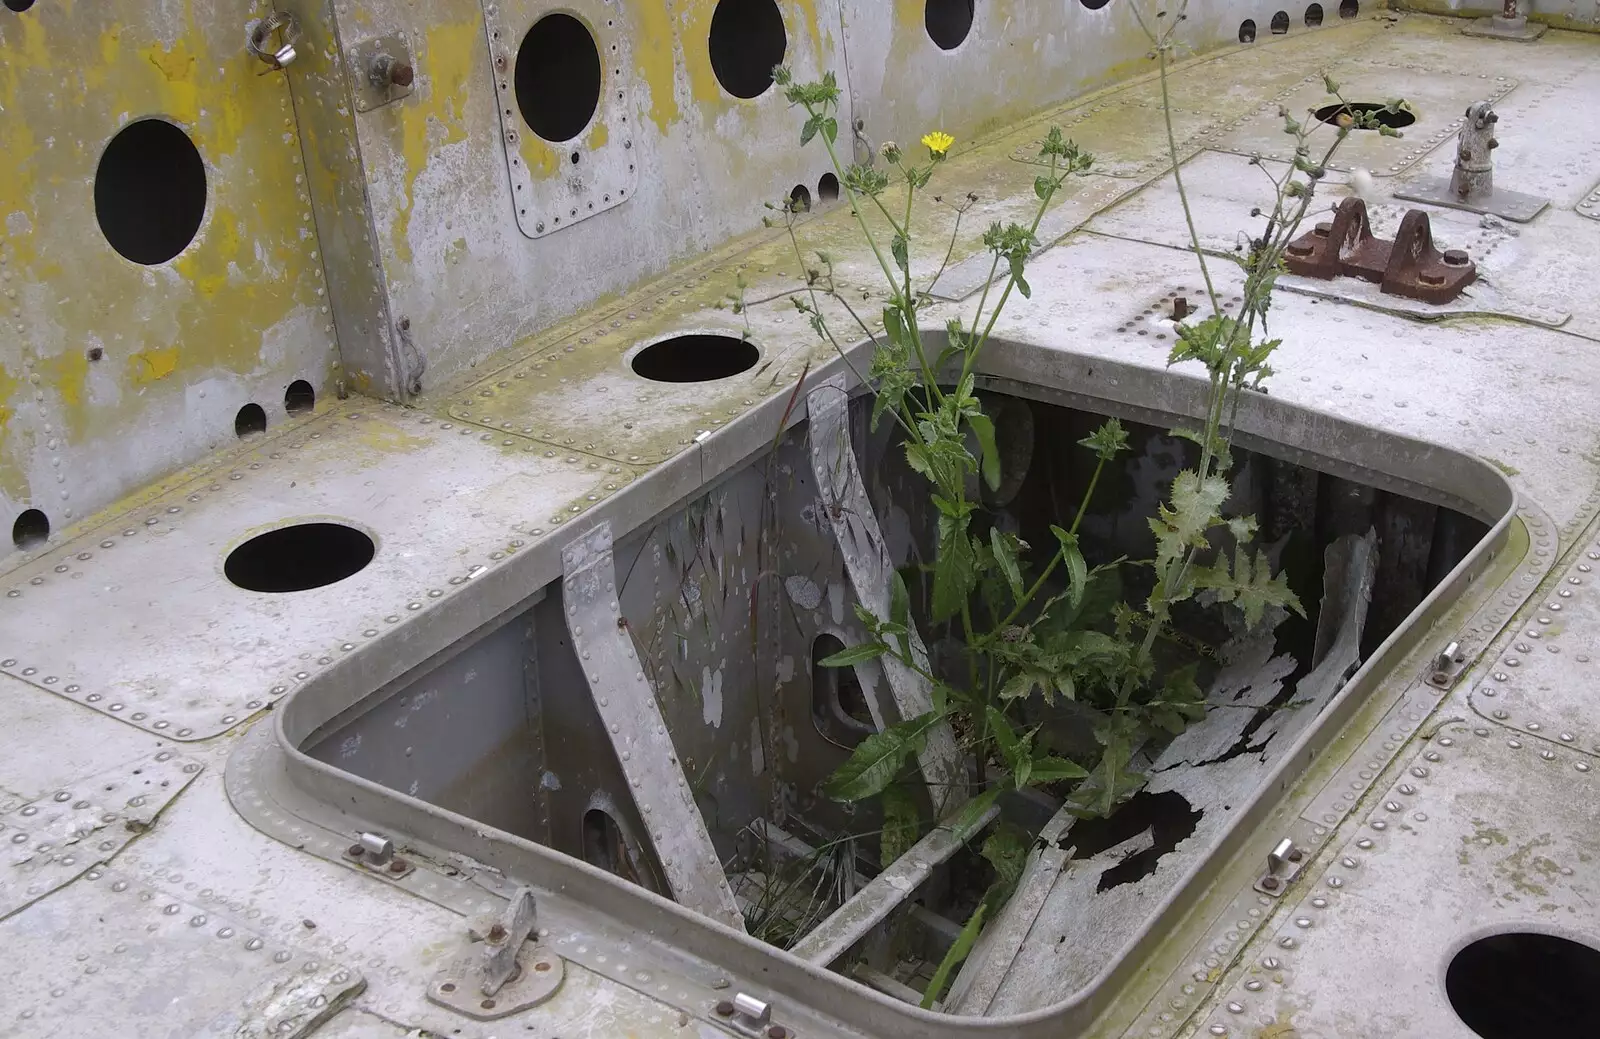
(555, 184)
(1542, 683)
(111, 955)
(136, 619)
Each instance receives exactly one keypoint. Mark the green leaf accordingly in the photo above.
(1250, 585)
(1010, 747)
(954, 576)
(960, 949)
(1110, 783)
(1193, 510)
(1006, 849)
(983, 428)
(1017, 265)
(1077, 569)
(854, 655)
(810, 130)
(1048, 769)
(970, 816)
(1019, 685)
(1107, 442)
(901, 822)
(1044, 187)
(1005, 555)
(878, 759)
(901, 250)
(830, 128)
(899, 600)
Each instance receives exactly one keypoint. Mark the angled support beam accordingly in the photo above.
(886, 892)
(866, 560)
(627, 705)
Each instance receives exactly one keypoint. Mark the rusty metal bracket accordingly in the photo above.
(1408, 266)
(1448, 666)
(1283, 865)
(489, 980)
(374, 853)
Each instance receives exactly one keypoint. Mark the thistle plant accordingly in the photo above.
(1040, 628)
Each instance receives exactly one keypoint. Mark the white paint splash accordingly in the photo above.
(711, 696)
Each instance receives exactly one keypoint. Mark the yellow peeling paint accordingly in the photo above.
(73, 77)
(655, 58)
(153, 365)
(435, 115)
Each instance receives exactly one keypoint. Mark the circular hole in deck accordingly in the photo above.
(1247, 31)
(30, 530)
(948, 22)
(1523, 984)
(299, 557)
(1394, 120)
(558, 77)
(1313, 16)
(299, 398)
(800, 199)
(695, 358)
(828, 188)
(747, 41)
(252, 418)
(150, 191)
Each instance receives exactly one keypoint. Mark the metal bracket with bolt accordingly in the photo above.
(375, 852)
(1447, 666)
(751, 1016)
(381, 71)
(1470, 185)
(1283, 865)
(1509, 24)
(496, 976)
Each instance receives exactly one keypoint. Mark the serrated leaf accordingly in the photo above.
(1249, 585)
(1016, 276)
(1018, 685)
(901, 822)
(830, 128)
(900, 248)
(1010, 747)
(983, 429)
(1005, 557)
(954, 576)
(874, 763)
(809, 130)
(1193, 510)
(1243, 528)
(1048, 769)
(854, 655)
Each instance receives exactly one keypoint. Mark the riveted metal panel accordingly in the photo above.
(243, 650)
(112, 371)
(555, 184)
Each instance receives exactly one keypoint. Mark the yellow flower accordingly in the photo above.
(938, 143)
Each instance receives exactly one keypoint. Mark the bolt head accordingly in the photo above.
(398, 866)
(724, 1009)
(1270, 883)
(402, 74)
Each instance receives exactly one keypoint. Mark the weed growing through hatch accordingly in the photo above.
(1041, 631)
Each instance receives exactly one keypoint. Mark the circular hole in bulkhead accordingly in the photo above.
(252, 418)
(18, 5)
(828, 188)
(747, 42)
(1313, 16)
(800, 199)
(299, 557)
(299, 398)
(1517, 984)
(558, 77)
(1349, 8)
(1280, 23)
(1094, 5)
(150, 191)
(948, 22)
(700, 357)
(1247, 31)
(1394, 120)
(30, 530)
